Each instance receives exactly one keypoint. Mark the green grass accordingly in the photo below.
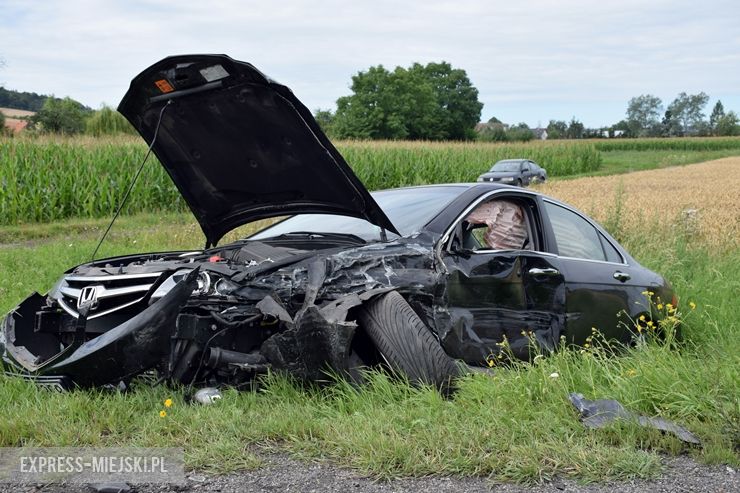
(627, 161)
(516, 425)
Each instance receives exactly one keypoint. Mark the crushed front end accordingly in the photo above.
(221, 316)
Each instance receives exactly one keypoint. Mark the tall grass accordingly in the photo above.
(47, 179)
(514, 425)
(675, 144)
(389, 164)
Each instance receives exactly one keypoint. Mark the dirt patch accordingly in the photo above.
(699, 199)
(681, 474)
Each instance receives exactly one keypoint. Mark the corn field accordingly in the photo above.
(46, 179)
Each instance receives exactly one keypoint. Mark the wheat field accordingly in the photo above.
(701, 200)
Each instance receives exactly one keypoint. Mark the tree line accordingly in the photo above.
(64, 115)
(422, 102)
(684, 116)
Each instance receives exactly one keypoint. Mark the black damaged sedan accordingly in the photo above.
(424, 280)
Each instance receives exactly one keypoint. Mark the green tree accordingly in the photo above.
(384, 106)
(687, 110)
(60, 116)
(643, 115)
(431, 102)
(458, 109)
(728, 124)
(717, 113)
(493, 132)
(670, 126)
(520, 132)
(575, 129)
(325, 119)
(107, 121)
(557, 129)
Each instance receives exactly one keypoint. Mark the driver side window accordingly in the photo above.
(499, 224)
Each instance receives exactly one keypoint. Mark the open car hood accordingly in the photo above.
(239, 146)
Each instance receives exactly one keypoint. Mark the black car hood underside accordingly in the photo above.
(239, 146)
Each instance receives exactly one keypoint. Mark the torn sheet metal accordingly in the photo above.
(602, 412)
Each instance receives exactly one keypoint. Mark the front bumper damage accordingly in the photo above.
(124, 351)
(186, 340)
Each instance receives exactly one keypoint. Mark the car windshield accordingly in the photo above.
(409, 209)
(506, 166)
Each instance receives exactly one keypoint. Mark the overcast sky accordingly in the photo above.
(531, 60)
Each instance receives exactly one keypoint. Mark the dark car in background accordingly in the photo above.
(519, 172)
(422, 279)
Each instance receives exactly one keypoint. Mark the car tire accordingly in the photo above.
(406, 343)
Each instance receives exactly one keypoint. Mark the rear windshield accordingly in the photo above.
(409, 209)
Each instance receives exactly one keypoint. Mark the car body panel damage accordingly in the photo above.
(123, 351)
(455, 269)
(489, 298)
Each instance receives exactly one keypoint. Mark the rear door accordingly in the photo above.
(495, 292)
(601, 288)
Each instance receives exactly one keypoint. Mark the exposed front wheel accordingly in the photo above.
(405, 342)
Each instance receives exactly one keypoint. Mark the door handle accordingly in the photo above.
(622, 276)
(549, 271)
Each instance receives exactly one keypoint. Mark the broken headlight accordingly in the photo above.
(209, 283)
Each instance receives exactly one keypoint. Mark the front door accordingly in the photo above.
(495, 292)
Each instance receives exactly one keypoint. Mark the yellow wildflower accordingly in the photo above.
(660, 306)
(162, 413)
(168, 403)
(692, 305)
(642, 318)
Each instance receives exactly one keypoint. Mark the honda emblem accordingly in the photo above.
(88, 296)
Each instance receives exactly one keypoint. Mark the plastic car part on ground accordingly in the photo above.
(601, 412)
(207, 396)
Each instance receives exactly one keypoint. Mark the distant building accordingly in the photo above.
(612, 133)
(16, 120)
(540, 133)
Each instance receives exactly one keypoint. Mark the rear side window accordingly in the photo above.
(612, 255)
(575, 237)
